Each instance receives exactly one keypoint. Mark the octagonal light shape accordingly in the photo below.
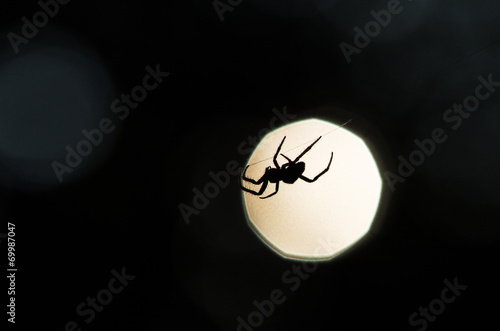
(318, 220)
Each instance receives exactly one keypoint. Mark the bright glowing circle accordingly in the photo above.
(319, 220)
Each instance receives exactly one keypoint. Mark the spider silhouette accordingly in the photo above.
(287, 173)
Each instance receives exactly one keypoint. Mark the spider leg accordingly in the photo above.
(261, 191)
(319, 175)
(275, 191)
(276, 164)
(306, 150)
(251, 180)
(286, 157)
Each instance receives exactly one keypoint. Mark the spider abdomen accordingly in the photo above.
(292, 172)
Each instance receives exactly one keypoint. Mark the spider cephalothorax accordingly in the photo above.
(287, 173)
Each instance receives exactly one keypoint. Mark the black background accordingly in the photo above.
(225, 79)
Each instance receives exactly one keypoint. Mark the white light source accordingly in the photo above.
(314, 221)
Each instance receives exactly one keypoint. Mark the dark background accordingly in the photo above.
(119, 208)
